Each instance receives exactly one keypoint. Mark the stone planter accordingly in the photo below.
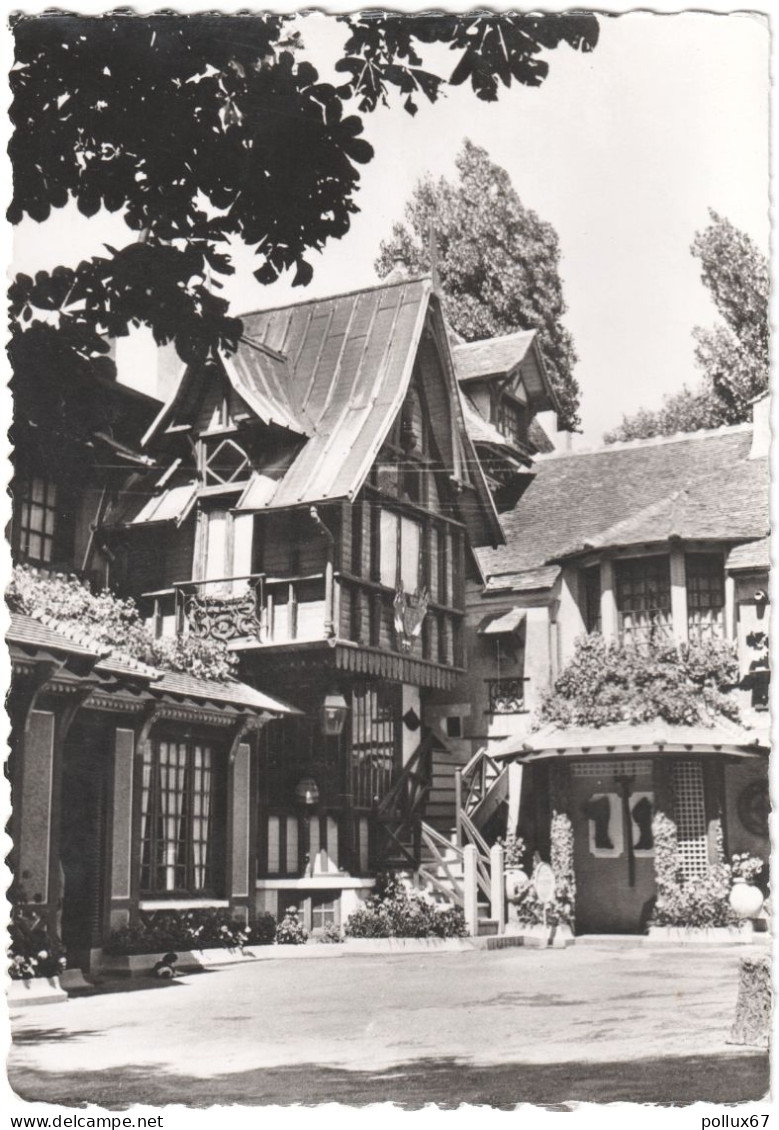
(538, 936)
(703, 935)
(36, 990)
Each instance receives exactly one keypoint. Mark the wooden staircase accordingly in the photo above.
(431, 860)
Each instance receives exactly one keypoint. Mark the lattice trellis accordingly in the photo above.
(614, 768)
(690, 812)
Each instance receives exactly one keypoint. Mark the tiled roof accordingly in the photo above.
(31, 632)
(697, 486)
(232, 692)
(54, 635)
(493, 357)
(752, 555)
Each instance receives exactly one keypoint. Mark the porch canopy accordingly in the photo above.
(502, 623)
(642, 738)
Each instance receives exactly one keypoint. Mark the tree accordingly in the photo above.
(497, 261)
(733, 355)
(207, 128)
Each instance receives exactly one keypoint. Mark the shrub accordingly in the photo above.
(291, 931)
(688, 684)
(162, 930)
(697, 901)
(263, 930)
(33, 950)
(394, 913)
(331, 936)
(115, 624)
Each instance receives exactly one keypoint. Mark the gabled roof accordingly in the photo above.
(700, 486)
(478, 360)
(501, 357)
(350, 360)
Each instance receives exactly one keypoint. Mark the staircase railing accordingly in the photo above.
(443, 855)
(472, 835)
(474, 783)
(399, 814)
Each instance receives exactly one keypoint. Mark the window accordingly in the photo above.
(454, 726)
(177, 818)
(644, 600)
(375, 719)
(400, 545)
(511, 421)
(223, 461)
(37, 503)
(591, 610)
(322, 912)
(705, 596)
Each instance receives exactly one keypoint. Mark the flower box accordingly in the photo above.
(35, 990)
(742, 934)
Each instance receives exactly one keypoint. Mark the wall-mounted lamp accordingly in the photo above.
(332, 715)
(307, 792)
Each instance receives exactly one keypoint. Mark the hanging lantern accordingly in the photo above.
(307, 792)
(332, 715)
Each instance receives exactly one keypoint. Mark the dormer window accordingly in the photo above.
(511, 420)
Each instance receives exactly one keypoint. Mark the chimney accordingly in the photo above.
(761, 427)
(399, 270)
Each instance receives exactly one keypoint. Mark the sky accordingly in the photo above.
(623, 151)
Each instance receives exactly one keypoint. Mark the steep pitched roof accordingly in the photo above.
(349, 361)
(492, 357)
(697, 486)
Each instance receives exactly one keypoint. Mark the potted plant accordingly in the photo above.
(516, 878)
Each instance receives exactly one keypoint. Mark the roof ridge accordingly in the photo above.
(650, 441)
(381, 285)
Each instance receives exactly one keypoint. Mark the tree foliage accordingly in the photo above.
(497, 261)
(203, 129)
(607, 683)
(733, 355)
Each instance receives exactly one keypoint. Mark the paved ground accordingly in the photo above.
(603, 1023)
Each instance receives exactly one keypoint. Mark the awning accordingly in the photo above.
(623, 739)
(172, 505)
(502, 623)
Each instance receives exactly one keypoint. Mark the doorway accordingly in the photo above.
(613, 802)
(82, 833)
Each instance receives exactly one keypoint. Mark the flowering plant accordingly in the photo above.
(396, 913)
(291, 931)
(514, 848)
(745, 866)
(161, 930)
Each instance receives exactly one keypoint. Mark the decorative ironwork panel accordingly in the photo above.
(506, 696)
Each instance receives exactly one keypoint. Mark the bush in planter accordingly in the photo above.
(161, 930)
(394, 913)
(291, 931)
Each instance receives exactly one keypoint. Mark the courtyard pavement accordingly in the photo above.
(602, 1023)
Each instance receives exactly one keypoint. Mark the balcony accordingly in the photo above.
(506, 696)
(270, 610)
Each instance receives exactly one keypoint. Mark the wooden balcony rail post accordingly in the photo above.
(458, 805)
(471, 889)
(497, 901)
